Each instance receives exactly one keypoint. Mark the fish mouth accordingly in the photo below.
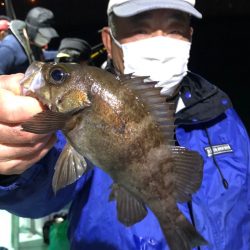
(32, 82)
(31, 93)
(44, 103)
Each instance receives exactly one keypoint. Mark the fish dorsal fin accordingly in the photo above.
(124, 77)
(188, 172)
(129, 209)
(162, 111)
(69, 167)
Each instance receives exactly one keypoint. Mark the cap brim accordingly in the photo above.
(44, 36)
(61, 54)
(48, 32)
(131, 8)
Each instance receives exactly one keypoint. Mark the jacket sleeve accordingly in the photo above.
(7, 58)
(31, 195)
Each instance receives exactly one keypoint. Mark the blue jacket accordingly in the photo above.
(12, 56)
(220, 209)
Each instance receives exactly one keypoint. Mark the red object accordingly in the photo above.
(4, 25)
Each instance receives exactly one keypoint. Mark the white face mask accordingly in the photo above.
(161, 58)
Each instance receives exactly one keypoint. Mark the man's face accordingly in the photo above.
(2, 34)
(162, 22)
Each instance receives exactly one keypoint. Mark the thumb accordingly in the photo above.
(11, 83)
(15, 108)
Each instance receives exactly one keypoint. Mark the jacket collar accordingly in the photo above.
(203, 101)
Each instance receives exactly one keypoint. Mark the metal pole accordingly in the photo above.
(10, 12)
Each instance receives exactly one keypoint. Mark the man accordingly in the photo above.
(75, 50)
(27, 39)
(4, 27)
(206, 123)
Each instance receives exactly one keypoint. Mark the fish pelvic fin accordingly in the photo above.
(69, 167)
(188, 171)
(129, 209)
(182, 235)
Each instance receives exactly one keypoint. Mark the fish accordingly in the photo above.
(125, 127)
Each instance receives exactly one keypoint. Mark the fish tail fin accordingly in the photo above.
(181, 235)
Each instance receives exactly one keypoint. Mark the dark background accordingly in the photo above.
(220, 51)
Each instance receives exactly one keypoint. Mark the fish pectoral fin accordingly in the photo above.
(45, 122)
(70, 166)
(129, 209)
(188, 171)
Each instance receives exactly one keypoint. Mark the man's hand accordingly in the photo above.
(18, 149)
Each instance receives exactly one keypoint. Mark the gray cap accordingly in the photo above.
(40, 20)
(126, 8)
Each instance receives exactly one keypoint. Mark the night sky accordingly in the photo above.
(220, 51)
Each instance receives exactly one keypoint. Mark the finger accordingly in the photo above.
(13, 134)
(11, 83)
(18, 166)
(10, 152)
(16, 109)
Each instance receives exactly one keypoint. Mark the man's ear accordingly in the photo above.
(107, 41)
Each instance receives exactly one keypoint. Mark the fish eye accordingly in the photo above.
(58, 75)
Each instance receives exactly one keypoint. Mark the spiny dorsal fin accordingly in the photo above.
(156, 104)
(124, 77)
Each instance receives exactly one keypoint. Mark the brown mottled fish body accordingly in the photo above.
(126, 128)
